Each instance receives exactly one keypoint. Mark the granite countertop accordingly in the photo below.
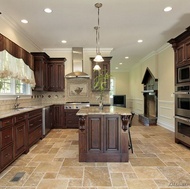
(8, 113)
(106, 111)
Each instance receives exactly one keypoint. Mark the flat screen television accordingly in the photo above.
(119, 100)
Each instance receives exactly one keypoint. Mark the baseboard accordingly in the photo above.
(166, 126)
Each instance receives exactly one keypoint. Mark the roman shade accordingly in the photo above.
(15, 62)
(12, 67)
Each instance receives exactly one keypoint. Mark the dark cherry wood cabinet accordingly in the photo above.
(49, 72)
(34, 126)
(41, 71)
(58, 117)
(105, 68)
(20, 134)
(6, 142)
(182, 49)
(102, 139)
(71, 119)
(182, 52)
(17, 134)
(56, 74)
(181, 46)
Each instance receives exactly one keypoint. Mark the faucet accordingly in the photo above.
(16, 103)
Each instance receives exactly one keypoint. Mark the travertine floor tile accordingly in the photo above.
(157, 163)
(140, 184)
(53, 184)
(96, 176)
(148, 173)
(146, 162)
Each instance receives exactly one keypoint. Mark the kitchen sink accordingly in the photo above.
(24, 108)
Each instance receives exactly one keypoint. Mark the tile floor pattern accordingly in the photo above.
(157, 163)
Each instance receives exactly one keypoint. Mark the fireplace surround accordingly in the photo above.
(150, 94)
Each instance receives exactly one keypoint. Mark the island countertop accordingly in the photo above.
(106, 110)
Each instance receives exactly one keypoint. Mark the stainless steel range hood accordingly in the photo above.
(77, 64)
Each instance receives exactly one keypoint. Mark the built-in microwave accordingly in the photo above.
(183, 74)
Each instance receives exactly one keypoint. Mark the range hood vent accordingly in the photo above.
(77, 64)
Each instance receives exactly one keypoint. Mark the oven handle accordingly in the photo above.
(182, 118)
(181, 92)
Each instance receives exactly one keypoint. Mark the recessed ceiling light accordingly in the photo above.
(167, 9)
(24, 21)
(47, 10)
(140, 41)
(116, 68)
(63, 41)
(126, 57)
(120, 63)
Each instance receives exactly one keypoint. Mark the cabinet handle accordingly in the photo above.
(7, 122)
(7, 155)
(31, 124)
(8, 136)
(20, 130)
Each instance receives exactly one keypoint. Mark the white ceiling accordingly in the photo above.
(122, 23)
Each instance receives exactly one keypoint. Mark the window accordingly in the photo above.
(14, 87)
(112, 87)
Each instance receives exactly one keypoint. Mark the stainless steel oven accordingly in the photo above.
(182, 129)
(183, 74)
(182, 101)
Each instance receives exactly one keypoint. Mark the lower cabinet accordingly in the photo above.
(20, 135)
(71, 119)
(6, 142)
(34, 126)
(101, 139)
(58, 117)
(17, 134)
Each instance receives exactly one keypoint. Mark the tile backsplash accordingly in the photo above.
(40, 98)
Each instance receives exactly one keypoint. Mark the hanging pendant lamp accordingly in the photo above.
(98, 57)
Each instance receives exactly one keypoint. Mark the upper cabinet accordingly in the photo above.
(56, 74)
(49, 72)
(105, 68)
(181, 46)
(41, 71)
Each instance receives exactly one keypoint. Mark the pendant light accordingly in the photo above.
(98, 57)
(97, 67)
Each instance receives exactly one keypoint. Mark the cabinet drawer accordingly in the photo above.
(35, 122)
(74, 121)
(7, 136)
(6, 122)
(34, 113)
(19, 117)
(6, 156)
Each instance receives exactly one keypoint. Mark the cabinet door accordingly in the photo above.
(180, 56)
(187, 50)
(59, 116)
(71, 119)
(111, 134)
(19, 138)
(56, 74)
(40, 71)
(95, 134)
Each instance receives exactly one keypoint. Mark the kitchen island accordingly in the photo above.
(103, 134)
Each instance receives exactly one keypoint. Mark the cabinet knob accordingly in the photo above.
(7, 136)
